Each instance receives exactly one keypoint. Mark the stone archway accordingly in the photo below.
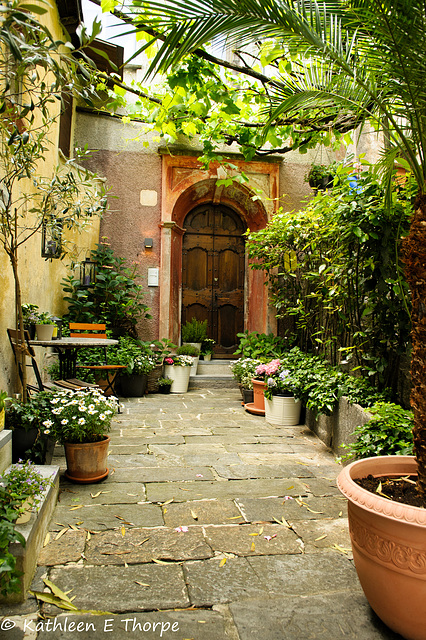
(185, 186)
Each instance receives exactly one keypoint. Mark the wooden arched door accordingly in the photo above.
(213, 273)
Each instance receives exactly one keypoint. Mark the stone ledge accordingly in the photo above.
(338, 428)
(34, 533)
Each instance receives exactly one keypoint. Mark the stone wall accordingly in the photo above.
(338, 428)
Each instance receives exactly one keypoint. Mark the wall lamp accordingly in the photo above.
(148, 243)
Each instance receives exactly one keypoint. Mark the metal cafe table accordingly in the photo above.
(67, 350)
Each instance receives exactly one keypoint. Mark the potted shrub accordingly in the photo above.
(207, 348)
(282, 406)
(159, 349)
(194, 332)
(178, 368)
(45, 326)
(25, 486)
(189, 349)
(164, 385)
(80, 421)
(138, 360)
(31, 440)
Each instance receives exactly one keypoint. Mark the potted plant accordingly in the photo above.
(164, 385)
(320, 176)
(31, 439)
(243, 370)
(139, 360)
(45, 326)
(207, 348)
(189, 349)
(25, 486)
(159, 349)
(178, 368)
(282, 406)
(80, 421)
(29, 318)
(194, 332)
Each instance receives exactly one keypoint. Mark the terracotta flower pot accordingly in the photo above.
(282, 410)
(258, 405)
(86, 461)
(389, 546)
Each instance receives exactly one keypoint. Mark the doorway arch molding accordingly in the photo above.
(186, 185)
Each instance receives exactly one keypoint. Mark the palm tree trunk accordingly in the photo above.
(414, 249)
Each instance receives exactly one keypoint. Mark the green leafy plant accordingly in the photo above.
(44, 317)
(29, 314)
(136, 356)
(243, 370)
(188, 350)
(18, 484)
(320, 175)
(165, 382)
(115, 298)
(207, 346)
(388, 432)
(260, 345)
(79, 416)
(194, 331)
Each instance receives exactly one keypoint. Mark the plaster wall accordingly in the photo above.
(40, 279)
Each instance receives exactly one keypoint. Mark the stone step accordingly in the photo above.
(5, 449)
(214, 367)
(204, 381)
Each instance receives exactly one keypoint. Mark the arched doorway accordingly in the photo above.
(213, 273)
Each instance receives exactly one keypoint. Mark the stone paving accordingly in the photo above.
(212, 525)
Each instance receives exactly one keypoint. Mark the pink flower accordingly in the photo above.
(182, 529)
(260, 370)
(168, 360)
(272, 367)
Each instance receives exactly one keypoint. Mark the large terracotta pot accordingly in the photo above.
(282, 410)
(389, 546)
(86, 461)
(180, 377)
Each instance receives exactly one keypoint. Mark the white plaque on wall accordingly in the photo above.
(153, 277)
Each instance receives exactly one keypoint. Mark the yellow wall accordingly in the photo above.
(40, 279)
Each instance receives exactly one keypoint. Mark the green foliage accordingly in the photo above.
(165, 382)
(335, 276)
(29, 415)
(18, 484)
(207, 346)
(260, 345)
(136, 356)
(243, 370)
(194, 330)
(116, 298)
(4, 397)
(388, 432)
(188, 350)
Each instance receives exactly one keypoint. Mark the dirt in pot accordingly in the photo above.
(401, 489)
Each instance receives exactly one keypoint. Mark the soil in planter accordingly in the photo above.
(397, 489)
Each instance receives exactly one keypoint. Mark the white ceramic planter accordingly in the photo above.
(44, 331)
(195, 365)
(180, 377)
(281, 410)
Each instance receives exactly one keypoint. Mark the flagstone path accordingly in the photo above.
(212, 525)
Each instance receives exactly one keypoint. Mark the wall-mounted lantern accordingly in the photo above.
(87, 273)
(148, 243)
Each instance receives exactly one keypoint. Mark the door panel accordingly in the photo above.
(213, 273)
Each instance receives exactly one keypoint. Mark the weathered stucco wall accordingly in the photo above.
(40, 279)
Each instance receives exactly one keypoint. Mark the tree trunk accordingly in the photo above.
(21, 348)
(414, 251)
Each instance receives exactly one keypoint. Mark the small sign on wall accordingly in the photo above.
(153, 277)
